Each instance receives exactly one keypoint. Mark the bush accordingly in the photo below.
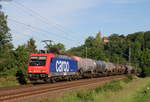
(85, 95)
(8, 81)
(21, 77)
(143, 95)
(112, 86)
(128, 79)
(90, 95)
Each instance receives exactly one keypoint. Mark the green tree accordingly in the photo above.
(5, 43)
(89, 42)
(147, 39)
(21, 55)
(55, 48)
(31, 47)
(95, 48)
(98, 40)
(95, 53)
(145, 62)
(76, 51)
(5, 36)
(116, 49)
(21, 62)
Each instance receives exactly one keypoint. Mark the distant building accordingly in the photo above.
(105, 39)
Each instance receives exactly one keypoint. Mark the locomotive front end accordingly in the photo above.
(38, 66)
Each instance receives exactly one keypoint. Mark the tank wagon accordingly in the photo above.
(85, 65)
(100, 67)
(51, 67)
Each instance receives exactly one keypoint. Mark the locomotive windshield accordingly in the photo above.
(37, 61)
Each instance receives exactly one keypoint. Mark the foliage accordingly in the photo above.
(15, 60)
(131, 49)
(85, 96)
(113, 86)
(12, 60)
(8, 81)
(91, 95)
(31, 47)
(76, 51)
(145, 62)
(55, 48)
(147, 40)
(5, 36)
(143, 95)
(21, 57)
(21, 77)
(5, 43)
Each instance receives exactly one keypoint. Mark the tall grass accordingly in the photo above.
(92, 95)
(8, 81)
(143, 95)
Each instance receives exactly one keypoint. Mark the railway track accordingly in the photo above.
(15, 93)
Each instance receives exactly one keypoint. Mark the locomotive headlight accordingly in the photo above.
(31, 71)
(42, 71)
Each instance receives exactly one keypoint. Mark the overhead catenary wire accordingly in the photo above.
(30, 29)
(25, 34)
(72, 39)
(40, 29)
(45, 20)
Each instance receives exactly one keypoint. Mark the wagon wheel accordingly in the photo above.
(47, 80)
(81, 71)
(52, 80)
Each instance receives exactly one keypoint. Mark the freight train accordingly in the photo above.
(50, 67)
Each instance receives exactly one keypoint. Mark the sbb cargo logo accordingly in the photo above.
(62, 66)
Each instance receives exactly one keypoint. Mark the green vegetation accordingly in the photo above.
(9, 81)
(14, 60)
(124, 90)
(143, 95)
(118, 50)
(92, 95)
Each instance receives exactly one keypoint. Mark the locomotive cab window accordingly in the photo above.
(37, 61)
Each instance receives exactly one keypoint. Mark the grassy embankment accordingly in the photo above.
(8, 81)
(124, 90)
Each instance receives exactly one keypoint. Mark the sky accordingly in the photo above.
(71, 21)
